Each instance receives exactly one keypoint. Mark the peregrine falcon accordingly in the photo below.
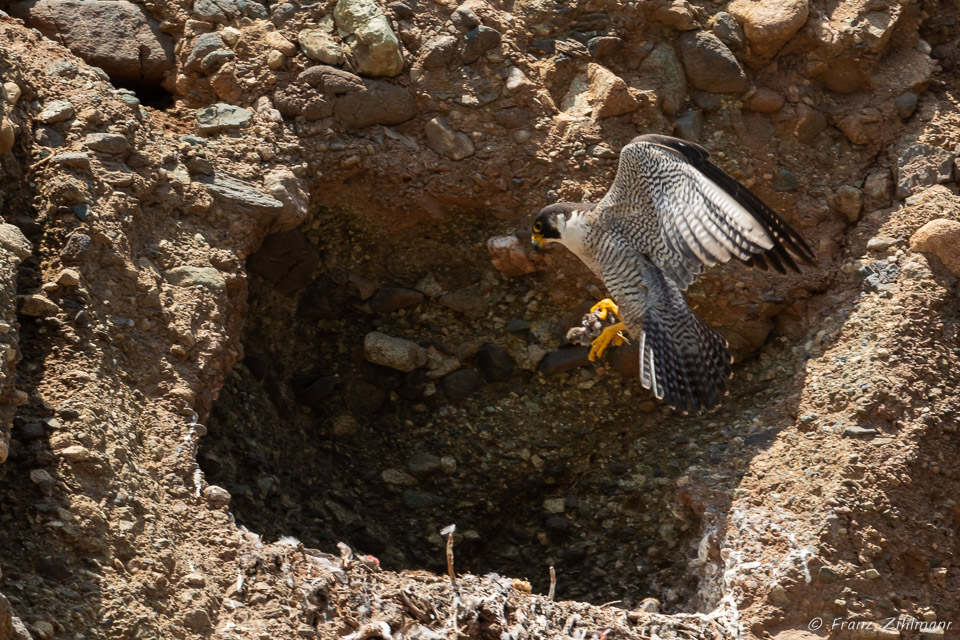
(669, 213)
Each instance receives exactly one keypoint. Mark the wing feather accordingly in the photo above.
(704, 216)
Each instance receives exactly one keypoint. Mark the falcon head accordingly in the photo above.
(552, 220)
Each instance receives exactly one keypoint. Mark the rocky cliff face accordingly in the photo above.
(264, 274)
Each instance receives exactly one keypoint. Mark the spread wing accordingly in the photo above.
(702, 215)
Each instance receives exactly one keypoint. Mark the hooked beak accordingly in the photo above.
(537, 241)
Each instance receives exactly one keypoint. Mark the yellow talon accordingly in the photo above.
(608, 335)
(606, 306)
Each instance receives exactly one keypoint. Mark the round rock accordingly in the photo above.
(216, 496)
(424, 464)
(941, 237)
(850, 202)
(768, 24)
(710, 65)
(460, 384)
(320, 46)
(396, 353)
(564, 360)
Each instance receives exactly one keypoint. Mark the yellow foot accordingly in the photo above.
(603, 307)
(602, 341)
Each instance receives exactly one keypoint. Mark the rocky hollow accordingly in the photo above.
(266, 336)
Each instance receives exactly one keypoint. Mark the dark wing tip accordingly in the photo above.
(786, 239)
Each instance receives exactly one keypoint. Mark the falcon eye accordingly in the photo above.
(537, 227)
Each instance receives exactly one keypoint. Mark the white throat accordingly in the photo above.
(573, 233)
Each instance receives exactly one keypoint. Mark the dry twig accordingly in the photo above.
(455, 601)
(39, 163)
(448, 531)
(553, 584)
(414, 610)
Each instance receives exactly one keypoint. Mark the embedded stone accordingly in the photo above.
(372, 46)
(478, 41)
(764, 100)
(11, 93)
(437, 53)
(941, 237)
(204, 45)
(446, 141)
(810, 122)
(905, 104)
(878, 190)
(768, 24)
(118, 36)
(665, 76)
(464, 18)
(222, 117)
(678, 14)
(396, 353)
(424, 464)
(850, 202)
(56, 111)
(331, 80)
(276, 41)
(599, 93)
(710, 65)
(379, 103)
(13, 240)
(510, 256)
(107, 142)
(389, 299)
(187, 276)
(37, 305)
(76, 453)
(321, 46)
(74, 159)
(458, 385)
(68, 278)
(241, 195)
(564, 360)
(862, 126)
(726, 27)
(216, 496)
(398, 477)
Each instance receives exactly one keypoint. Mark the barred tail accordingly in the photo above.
(682, 360)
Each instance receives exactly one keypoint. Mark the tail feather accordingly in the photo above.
(682, 360)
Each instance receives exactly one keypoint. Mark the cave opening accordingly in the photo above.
(313, 440)
(149, 93)
(153, 96)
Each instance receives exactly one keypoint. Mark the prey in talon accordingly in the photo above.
(598, 328)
